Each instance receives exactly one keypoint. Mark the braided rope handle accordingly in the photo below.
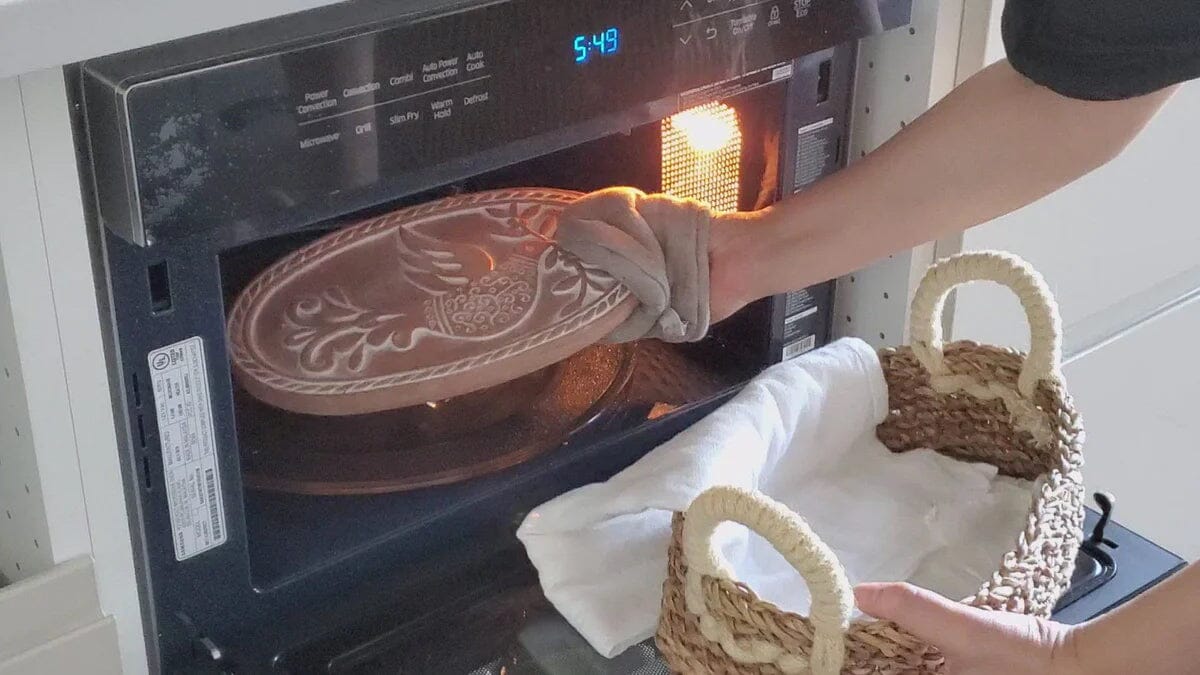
(832, 598)
(1045, 353)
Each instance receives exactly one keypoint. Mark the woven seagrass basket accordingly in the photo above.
(968, 401)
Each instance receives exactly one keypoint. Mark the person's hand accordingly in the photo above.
(974, 641)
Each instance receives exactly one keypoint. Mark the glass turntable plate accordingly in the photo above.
(436, 443)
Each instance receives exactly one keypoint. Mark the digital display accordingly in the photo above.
(588, 46)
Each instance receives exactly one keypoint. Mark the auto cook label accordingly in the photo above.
(185, 429)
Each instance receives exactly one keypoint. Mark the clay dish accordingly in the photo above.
(421, 305)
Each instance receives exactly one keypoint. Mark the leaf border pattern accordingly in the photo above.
(348, 335)
(241, 317)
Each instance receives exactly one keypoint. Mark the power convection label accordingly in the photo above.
(189, 450)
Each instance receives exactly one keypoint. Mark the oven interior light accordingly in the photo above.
(709, 128)
(702, 154)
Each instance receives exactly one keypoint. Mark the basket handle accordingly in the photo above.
(1045, 349)
(832, 598)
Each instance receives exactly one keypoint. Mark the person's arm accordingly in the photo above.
(993, 145)
(1155, 633)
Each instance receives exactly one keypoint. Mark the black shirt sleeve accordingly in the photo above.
(1104, 49)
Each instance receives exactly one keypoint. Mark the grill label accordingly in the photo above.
(191, 472)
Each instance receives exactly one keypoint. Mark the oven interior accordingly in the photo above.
(553, 421)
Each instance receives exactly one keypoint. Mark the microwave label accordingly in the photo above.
(817, 148)
(799, 325)
(798, 302)
(735, 86)
(179, 376)
(799, 347)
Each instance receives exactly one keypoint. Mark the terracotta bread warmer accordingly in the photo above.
(421, 305)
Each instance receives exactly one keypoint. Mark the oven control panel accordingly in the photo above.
(262, 135)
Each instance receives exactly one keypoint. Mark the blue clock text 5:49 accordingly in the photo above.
(606, 43)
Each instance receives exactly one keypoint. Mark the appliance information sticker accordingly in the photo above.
(817, 150)
(799, 347)
(179, 376)
(738, 85)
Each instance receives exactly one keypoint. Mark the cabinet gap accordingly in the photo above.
(146, 472)
(159, 280)
(824, 74)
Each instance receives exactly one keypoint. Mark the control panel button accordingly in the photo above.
(440, 71)
(360, 90)
(476, 99)
(316, 101)
(702, 21)
(405, 118)
(476, 62)
(411, 97)
(442, 108)
(317, 141)
(741, 26)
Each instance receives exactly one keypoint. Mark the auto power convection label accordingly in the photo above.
(179, 376)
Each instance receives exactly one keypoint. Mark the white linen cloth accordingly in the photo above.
(803, 434)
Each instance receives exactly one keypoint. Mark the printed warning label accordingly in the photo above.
(817, 150)
(185, 429)
(735, 86)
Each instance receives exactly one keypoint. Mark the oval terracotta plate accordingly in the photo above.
(422, 304)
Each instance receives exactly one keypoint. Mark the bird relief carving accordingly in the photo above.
(476, 279)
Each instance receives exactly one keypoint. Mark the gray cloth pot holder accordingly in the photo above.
(657, 246)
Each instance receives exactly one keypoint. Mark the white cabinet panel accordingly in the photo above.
(1125, 235)
(41, 503)
(1121, 251)
(46, 606)
(91, 650)
(899, 74)
(1140, 400)
(981, 43)
(74, 319)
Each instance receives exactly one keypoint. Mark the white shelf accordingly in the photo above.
(1138, 396)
